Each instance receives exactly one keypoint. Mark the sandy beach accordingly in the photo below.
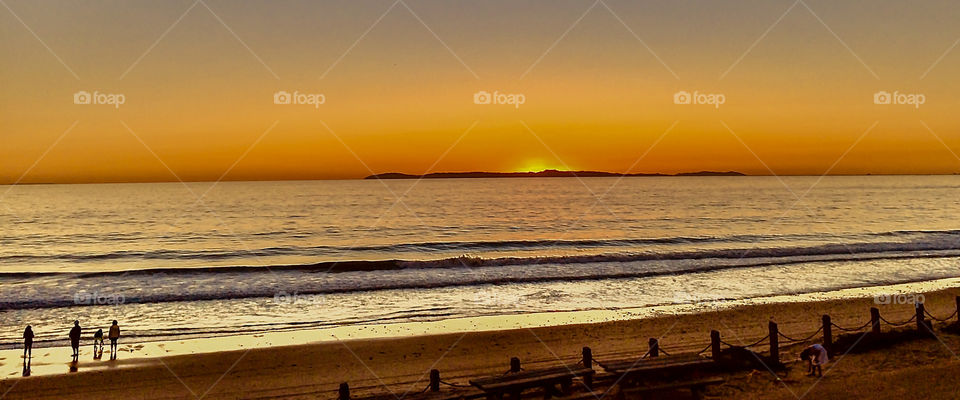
(400, 365)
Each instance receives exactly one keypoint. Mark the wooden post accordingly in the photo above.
(715, 344)
(958, 309)
(514, 364)
(774, 342)
(588, 363)
(875, 320)
(921, 325)
(434, 380)
(514, 368)
(828, 335)
(654, 347)
(344, 391)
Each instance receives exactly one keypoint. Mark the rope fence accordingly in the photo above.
(913, 318)
(453, 384)
(705, 349)
(827, 330)
(945, 319)
(857, 329)
(790, 339)
(714, 348)
(748, 345)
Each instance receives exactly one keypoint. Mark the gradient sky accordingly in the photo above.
(399, 87)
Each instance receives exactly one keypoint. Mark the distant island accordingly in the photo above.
(549, 173)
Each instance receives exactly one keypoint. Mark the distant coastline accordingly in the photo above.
(549, 173)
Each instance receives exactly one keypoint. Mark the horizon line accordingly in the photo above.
(364, 178)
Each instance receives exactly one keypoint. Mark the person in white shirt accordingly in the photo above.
(815, 356)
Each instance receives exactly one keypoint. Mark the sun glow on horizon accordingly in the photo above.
(398, 100)
(538, 165)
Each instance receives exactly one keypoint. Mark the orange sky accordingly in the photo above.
(399, 90)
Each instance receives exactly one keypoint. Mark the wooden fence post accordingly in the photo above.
(588, 363)
(958, 309)
(875, 320)
(921, 326)
(344, 391)
(774, 342)
(828, 335)
(715, 344)
(434, 380)
(654, 347)
(514, 364)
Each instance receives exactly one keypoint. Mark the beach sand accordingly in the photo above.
(401, 365)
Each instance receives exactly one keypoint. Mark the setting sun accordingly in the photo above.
(537, 165)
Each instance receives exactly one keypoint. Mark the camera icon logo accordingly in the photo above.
(482, 97)
(282, 97)
(82, 97)
(682, 97)
(282, 298)
(81, 298)
(882, 299)
(882, 97)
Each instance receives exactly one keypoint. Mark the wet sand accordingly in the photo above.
(400, 364)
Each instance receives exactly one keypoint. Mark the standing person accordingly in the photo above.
(28, 342)
(114, 336)
(75, 339)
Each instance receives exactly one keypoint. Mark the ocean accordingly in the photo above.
(177, 261)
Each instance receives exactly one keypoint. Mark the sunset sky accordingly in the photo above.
(399, 78)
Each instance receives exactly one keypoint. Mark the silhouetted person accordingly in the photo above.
(114, 337)
(98, 344)
(28, 342)
(815, 356)
(75, 339)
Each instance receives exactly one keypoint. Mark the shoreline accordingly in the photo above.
(355, 352)
(303, 335)
(139, 353)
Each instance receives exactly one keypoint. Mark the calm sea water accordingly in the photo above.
(174, 260)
